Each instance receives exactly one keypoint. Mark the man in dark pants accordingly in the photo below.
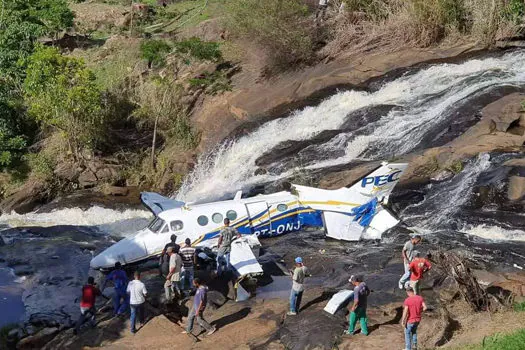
(164, 260)
(87, 304)
(120, 282)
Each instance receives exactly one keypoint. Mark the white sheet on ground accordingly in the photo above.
(242, 257)
(337, 300)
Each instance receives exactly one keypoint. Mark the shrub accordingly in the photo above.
(213, 83)
(280, 26)
(155, 52)
(199, 49)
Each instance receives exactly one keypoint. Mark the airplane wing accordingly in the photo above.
(157, 203)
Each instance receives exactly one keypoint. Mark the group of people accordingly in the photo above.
(415, 268)
(126, 295)
(177, 265)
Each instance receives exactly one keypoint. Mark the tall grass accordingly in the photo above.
(389, 24)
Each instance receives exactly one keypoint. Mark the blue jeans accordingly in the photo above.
(136, 309)
(295, 300)
(120, 301)
(187, 279)
(223, 260)
(406, 276)
(411, 335)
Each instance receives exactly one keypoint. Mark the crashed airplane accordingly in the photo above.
(348, 214)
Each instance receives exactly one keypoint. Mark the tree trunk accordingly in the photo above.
(153, 162)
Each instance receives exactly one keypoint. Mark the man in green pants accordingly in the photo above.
(358, 309)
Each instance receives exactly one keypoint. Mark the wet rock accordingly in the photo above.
(516, 189)
(506, 112)
(115, 191)
(344, 178)
(443, 176)
(28, 197)
(38, 340)
(2, 242)
(87, 179)
(23, 270)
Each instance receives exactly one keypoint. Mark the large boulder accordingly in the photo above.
(87, 179)
(506, 112)
(516, 188)
(26, 199)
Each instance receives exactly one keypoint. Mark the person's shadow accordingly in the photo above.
(226, 320)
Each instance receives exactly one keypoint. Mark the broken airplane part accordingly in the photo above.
(347, 214)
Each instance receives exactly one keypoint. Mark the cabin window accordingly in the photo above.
(165, 229)
(231, 214)
(176, 225)
(156, 225)
(217, 218)
(282, 207)
(202, 220)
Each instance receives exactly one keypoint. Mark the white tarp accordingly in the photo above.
(337, 300)
(242, 257)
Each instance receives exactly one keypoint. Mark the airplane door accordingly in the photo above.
(260, 220)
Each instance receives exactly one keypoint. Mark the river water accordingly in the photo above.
(409, 113)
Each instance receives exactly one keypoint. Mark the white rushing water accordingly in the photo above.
(444, 199)
(106, 220)
(495, 233)
(424, 99)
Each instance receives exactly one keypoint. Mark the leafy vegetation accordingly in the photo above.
(155, 52)
(214, 82)
(201, 50)
(512, 341)
(519, 306)
(62, 94)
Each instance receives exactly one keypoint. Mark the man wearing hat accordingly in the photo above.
(413, 306)
(299, 273)
(358, 309)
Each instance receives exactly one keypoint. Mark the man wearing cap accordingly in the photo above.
(358, 309)
(299, 273)
(418, 267)
(412, 309)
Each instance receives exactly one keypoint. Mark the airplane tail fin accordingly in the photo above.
(378, 184)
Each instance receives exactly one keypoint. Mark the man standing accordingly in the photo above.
(226, 237)
(164, 259)
(298, 274)
(173, 278)
(358, 309)
(120, 282)
(137, 292)
(189, 260)
(412, 308)
(408, 248)
(87, 304)
(199, 305)
(418, 267)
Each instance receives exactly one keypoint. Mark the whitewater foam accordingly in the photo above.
(495, 233)
(107, 220)
(424, 99)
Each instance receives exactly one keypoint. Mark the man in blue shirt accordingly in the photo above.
(120, 282)
(199, 305)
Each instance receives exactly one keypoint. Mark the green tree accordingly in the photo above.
(62, 94)
(22, 22)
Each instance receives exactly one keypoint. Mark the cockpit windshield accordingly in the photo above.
(156, 225)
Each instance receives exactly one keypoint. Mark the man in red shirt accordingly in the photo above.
(417, 269)
(87, 304)
(414, 305)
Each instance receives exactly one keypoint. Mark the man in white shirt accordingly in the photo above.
(137, 293)
(173, 279)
